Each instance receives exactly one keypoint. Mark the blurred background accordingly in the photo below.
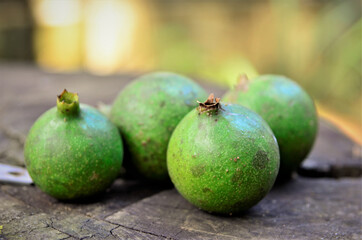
(315, 42)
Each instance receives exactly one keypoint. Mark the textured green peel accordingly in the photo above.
(73, 154)
(146, 113)
(289, 111)
(223, 161)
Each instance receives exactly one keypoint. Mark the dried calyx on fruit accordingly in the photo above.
(67, 102)
(223, 159)
(72, 150)
(211, 105)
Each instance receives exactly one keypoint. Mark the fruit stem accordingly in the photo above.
(68, 103)
(243, 83)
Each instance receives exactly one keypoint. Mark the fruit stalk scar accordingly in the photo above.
(243, 83)
(210, 105)
(68, 103)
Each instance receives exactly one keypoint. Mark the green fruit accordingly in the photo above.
(146, 113)
(288, 110)
(223, 161)
(73, 151)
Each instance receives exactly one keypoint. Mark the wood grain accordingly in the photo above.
(304, 208)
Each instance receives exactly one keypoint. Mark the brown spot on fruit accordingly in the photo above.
(260, 160)
(94, 176)
(237, 177)
(205, 190)
(198, 170)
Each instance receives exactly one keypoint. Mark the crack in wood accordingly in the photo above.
(111, 231)
(93, 235)
(206, 232)
(51, 219)
(51, 226)
(138, 230)
(65, 238)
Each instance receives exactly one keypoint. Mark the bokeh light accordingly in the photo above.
(316, 43)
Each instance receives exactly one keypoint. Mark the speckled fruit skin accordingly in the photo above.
(289, 111)
(73, 156)
(223, 163)
(146, 113)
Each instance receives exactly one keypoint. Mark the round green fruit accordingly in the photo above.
(223, 159)
(146, 113)
(289, 111)
(73, 151)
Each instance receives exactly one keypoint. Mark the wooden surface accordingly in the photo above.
(324, 203)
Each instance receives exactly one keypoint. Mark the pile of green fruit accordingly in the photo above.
(222, 156)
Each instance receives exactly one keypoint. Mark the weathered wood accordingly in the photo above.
(19, 221)
(301, 209)
(334, 155)
(119, 195)
(28, 213)
(26, 92)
